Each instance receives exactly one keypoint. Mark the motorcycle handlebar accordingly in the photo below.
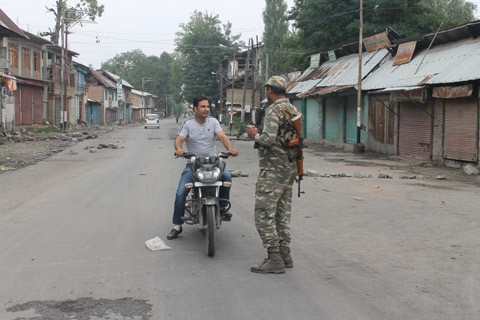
(188, 155)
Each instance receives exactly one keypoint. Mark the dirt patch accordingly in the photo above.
(27, 148)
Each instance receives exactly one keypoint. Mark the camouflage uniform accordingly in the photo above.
(273, 194)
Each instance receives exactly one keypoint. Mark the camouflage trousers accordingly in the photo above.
(273, 203)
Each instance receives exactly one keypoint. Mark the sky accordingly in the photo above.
(148, 25)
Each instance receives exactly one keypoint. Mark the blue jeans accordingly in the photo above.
(182, 192)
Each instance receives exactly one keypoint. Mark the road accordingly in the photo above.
(73, 232)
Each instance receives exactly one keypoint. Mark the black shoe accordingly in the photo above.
(174, 233)
(225, 215)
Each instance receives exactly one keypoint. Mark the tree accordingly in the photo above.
(85, 9)
(276, 30)
(131, 66)
(151, 73)
(327, 23)
(459, 10)
(201, 45)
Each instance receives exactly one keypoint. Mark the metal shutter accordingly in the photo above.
(461, 130)
(351, 121)
(415, 130)
(331, 120)
(313, 119)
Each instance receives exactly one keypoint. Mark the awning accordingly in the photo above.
(414, 93)
(453, 92)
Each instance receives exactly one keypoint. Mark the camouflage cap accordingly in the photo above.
(277, 82)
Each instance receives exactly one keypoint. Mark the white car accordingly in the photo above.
(152, 120)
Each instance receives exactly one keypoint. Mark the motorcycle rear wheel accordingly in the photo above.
(210, 230)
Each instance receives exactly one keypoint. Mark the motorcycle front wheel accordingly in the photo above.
(210, 230)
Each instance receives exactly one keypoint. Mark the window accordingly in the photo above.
(36, 61)
(13, 55)
(26, 58)
(72, 80)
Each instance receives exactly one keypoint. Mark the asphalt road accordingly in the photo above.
(73, 231)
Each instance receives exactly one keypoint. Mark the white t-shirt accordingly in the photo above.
(200, 138)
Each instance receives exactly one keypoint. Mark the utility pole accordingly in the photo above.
(63, 107)
(245, 82)
(254, 74)
(220, 102)
(359, 96)
(230, 116)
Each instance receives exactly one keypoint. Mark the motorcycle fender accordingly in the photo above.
(209, 201)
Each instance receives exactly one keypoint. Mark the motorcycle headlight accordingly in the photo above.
(208, 176)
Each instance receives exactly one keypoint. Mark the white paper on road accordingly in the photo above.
(156, 244)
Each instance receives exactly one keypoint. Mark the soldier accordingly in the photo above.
(273, 194)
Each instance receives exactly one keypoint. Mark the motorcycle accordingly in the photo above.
(202, 205)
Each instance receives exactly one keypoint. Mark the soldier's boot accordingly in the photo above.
(287, 258)
(272, 264)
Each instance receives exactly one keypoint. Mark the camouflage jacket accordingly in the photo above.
(272, 155)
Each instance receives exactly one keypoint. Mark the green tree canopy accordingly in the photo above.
(326, 23)
(152, 73)
(275, 20)
(201, 45)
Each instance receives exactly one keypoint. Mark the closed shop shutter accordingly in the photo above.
(24, 105)
(331, 120)
(415, 130)
(92, 114)
(37, 105)
(351, 125)
(313, 119)
(461, 130)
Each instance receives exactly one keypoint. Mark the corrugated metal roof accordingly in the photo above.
(117, 78)
(320, 91)
(303, 86)
(447, 63)
(139, 93)
(400, 89)
(344, 71)
(8, 27)
(104, 80)
(337, 74)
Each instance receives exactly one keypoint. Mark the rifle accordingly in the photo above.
(298, 143)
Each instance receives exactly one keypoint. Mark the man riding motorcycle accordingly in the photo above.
(199, 133)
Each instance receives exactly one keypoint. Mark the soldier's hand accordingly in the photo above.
(251, 131)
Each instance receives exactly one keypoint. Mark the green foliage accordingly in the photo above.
(148, 73)
(202, 44)
(323, 24)
(178, 108)
(238, 127)
(276, 30)
(294, 56)
(47, 130)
